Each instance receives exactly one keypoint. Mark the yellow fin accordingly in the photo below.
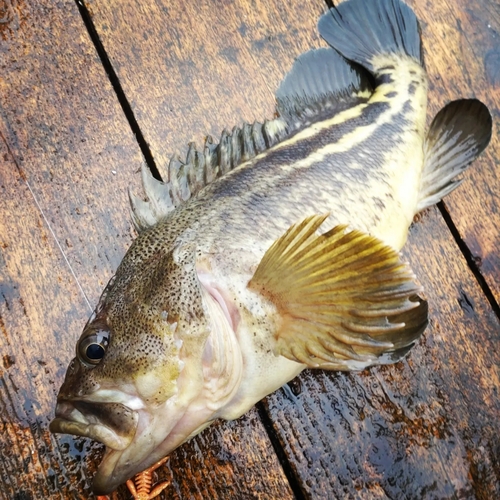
(346, 299)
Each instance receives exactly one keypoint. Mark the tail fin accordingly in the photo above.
(361, 30)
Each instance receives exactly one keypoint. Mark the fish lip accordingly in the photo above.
(79, 418)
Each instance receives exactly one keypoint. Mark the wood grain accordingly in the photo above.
(193, 68)
(462, 46)
(425, 428)
(61, 234)
(407, 441)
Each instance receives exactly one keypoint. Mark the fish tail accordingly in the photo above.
(362, 31)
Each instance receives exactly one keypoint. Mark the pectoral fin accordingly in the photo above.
(346, 299)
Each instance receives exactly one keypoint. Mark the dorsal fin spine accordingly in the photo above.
(202, 166)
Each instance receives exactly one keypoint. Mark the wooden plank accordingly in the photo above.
(229, 460)
(462, 48)
(40, 302)
(424, 428)
(67, 156)
(192, 68)
(64, 145)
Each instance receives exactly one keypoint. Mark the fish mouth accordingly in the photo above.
(113, 424)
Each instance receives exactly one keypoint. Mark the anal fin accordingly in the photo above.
(457, 136)
(346, 299)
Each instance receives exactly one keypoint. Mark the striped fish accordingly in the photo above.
(276, 249)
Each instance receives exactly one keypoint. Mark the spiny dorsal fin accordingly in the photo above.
(457, 136)
(346, 299)
(201, 167)
(321, 81)
(159, 201)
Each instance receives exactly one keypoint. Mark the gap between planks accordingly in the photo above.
(120, 94)
(469, 258)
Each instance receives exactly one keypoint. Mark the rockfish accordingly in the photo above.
(275, 250)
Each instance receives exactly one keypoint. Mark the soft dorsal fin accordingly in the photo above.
(360, 30)
(346, 300)
(321, 82)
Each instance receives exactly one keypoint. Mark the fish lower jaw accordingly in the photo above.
(101, 484)
(117, 466)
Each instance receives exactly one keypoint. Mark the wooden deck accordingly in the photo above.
(428, 427)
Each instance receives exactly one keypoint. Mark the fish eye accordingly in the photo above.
(91, 348)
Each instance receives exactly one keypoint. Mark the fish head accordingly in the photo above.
(138, 364)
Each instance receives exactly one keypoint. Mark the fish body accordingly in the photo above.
(275, 250)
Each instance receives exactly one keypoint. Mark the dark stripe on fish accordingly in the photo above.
(362, 163)
(385, 78)
(263, 187)
(302, 149)
(370, 153)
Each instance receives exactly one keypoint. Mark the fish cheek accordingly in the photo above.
(159, 384)
(152, 307)
(79, 381)
(143, 350)
(150, 362)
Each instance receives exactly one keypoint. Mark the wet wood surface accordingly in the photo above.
(424, 428)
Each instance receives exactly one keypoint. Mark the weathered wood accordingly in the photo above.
(229, 460)
(67, 155)
(61, 234)
(462, 46)
(193, 68)
(424, 428)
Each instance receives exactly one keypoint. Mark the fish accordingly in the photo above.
(276, 249)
